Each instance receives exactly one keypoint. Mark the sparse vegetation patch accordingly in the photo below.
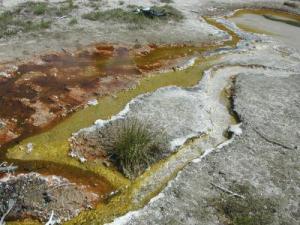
(252, 210)
(166, 1)
(11, 25)
(133, 145)
(32, 16)
(73, 21)
(46, 9)
(38, 8)
(135, 15)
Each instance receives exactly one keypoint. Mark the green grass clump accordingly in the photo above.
(171, 12)
(37, 8)
(46, 9)
(166, 1)
(130, 17)
(133, 145)
(95, 15)
(132, 6)
(73, 21)
(118, 15)
(11, 25)
(42, 24)
(64, 9)
(33, 16)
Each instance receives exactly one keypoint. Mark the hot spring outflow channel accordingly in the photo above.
(188, 109)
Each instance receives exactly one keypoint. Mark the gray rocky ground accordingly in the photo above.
(36, 196)
(262, 165)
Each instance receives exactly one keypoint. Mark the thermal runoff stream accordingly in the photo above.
(56, 109)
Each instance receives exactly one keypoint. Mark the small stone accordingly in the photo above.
(2, 124)
(92, 102)
(29, 147)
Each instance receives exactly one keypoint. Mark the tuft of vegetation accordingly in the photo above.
(63, 9)
(33, 16)
(130, 17)
(32, 8)
(73, 21)
(171, 12)
(132, 7)
(94, 4)
(166, 1)
(46, 9)
(43, 24)
(133, 145)
(39, 8)
(117, 15)
(253, 210)
(11, 25)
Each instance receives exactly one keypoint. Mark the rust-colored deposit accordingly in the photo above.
(35, 95)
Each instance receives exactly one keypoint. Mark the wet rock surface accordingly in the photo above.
(36, 196)
(261, 166)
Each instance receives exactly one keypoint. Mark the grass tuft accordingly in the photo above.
(37, 8)
(73, 21)
(11, 25)
(133, 145)
(171, 12)
(132, 18)
(65, 9)
(117, 15)
(33, 16)
(166, 1)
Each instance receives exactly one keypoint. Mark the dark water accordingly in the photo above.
(286, 21)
